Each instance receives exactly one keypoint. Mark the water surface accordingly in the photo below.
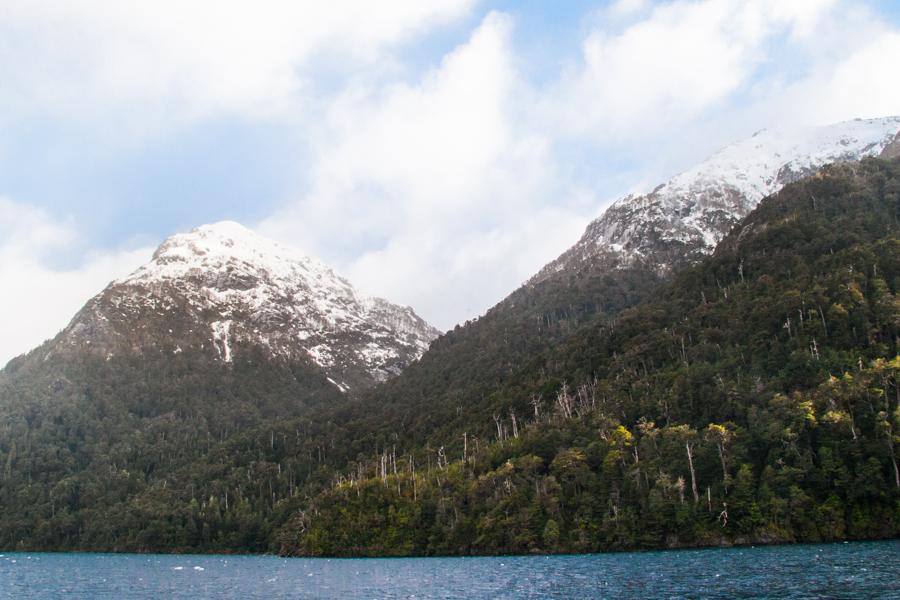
(857, 570)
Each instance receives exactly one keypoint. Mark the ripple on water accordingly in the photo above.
(860, 570)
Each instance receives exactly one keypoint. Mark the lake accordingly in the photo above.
(855, 570)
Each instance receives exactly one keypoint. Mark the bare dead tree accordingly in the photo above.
(587, 395)
(412, 470)
(441, 458)
(536, 405)
(564, 401)
(885, 427)
(515, 427)
(721, 436)
(894, 462)
(822, 316)
(689, 447)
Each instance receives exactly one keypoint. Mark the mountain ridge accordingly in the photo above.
(685, 217)
(592, 280)
(752, 400)
(221, 285)
(127, 439)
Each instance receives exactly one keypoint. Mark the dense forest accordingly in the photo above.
(464, 368)
(752, 398)
(177, 453)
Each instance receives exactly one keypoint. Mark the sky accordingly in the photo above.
(434, 153)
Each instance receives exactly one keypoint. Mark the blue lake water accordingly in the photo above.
(857, 570)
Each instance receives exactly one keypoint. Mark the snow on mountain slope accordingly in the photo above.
(686, 217)
(222, 288)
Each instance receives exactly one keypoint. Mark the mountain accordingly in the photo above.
(197, 381)
(175, 413)
(223, 289)
(753, 399)
(684, 218)
(622, 258)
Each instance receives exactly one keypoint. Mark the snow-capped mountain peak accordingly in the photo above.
(222, 288)
(226, 242)
(686, 217)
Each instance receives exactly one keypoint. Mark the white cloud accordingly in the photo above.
(859, 83)
(446, 190)
(442, 180)
(865, 83)
(38, 300)
(432, 141)
(451, 278)
(671, 64)
(624, 8)
(177, 58)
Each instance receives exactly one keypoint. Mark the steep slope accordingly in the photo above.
(893, 149)
(222, 288)
(621, 259)
(685, 218)
(753, 400)
(193, 382)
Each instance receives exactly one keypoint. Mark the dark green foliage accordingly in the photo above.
(154, 453)
(463, 370)
(755, 399)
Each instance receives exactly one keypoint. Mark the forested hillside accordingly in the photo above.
(621, 259)
(132, 453)
(751, 399)
(754, 399)
(201, 380)
(465, 369)
(176, 451)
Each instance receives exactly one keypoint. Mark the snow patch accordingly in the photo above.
(224, 276)
(342, 387)
(221, 331)
(699, 206)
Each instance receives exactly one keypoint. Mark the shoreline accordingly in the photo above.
(660, 550)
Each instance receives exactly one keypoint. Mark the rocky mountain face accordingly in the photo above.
(683, 219)
(893, 149)
(227, 292)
